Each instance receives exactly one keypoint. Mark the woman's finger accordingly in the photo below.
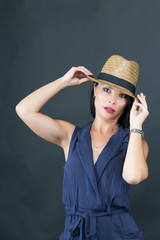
(139, 104)
(142, 97)
(143, 100)
(86, 70)
(81, 70)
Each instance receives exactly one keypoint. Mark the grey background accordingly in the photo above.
(40, 41)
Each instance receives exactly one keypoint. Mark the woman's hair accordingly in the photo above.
(124, 118)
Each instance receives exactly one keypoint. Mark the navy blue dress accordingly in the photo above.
(95, 196)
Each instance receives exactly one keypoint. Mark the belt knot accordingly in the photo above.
(108, 210)
(74, 207)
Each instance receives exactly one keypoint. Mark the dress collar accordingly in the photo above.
(111, 149)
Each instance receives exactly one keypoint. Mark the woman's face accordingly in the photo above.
(107, 96)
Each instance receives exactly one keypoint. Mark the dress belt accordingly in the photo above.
(85, 226)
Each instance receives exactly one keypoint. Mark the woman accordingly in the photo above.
(104, 157)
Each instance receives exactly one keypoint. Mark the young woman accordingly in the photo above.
(104, 157)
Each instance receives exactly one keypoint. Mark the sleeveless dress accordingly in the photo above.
(95, 196)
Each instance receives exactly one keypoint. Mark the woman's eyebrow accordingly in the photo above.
(107, 86)
(112, 88)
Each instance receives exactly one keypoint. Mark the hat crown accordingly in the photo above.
(120, 73)
(120, 67)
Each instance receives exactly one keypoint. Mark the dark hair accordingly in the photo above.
(124, 118)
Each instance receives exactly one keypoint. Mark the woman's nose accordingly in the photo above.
(112, 100)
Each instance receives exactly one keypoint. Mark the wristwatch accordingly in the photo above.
(138, 131)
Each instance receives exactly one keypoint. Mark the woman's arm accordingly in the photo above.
(37, 99)
(135, 167)
(55, 131)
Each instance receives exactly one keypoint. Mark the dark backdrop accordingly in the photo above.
(40, 41)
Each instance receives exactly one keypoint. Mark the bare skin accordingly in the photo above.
(106, 124)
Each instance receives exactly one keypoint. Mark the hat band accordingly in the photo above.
(118, 81)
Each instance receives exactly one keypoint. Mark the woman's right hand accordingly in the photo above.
(71, 78)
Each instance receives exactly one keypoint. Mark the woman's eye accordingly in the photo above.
(124, 95)
(105, 89)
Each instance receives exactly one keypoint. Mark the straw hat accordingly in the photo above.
(119, 73)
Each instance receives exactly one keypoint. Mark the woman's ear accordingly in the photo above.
(94, 89)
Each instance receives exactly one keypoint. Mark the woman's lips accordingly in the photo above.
(110, 110)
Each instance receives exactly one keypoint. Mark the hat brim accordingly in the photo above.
(124, 90)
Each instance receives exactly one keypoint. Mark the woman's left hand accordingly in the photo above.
(137, 117)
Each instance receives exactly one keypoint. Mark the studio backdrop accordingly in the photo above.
(40, 41)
